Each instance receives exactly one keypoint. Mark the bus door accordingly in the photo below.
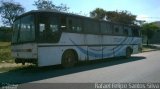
(43, 25)
(48, 26)
(47, 37)
(94, 46)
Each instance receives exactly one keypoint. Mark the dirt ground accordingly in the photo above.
(5, 65)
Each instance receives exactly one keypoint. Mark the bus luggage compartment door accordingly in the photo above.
(48, 56)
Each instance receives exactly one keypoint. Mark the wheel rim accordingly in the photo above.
(69, 59)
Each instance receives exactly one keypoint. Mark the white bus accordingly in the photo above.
(46, 37)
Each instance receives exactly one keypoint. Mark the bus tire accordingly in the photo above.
(128, 52)
(23, 63)
(69, 58)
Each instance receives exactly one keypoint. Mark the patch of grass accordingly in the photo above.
(5, 52)
(5, 44)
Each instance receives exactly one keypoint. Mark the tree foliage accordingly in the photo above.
(114, 16)
(48, 5)
(98, 13)
(43, 4)
(121, 17)
(9, 10)
(148, 30)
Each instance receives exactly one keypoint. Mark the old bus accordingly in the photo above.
(47, 37)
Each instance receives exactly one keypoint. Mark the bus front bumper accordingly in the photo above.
(20, 60)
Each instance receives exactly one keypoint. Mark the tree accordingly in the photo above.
(114, 16)
(62, 7)
(98, 13)
(46, 4)
(121, 17)
(148, 30)
(43, 4)
(9, 10)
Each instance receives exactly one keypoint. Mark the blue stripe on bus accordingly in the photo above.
(105, 47)
(117, 50)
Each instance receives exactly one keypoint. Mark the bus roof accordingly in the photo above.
(69, 14)
(51, 11)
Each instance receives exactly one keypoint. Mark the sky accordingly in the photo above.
(147, 10)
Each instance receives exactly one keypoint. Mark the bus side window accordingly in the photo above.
(42, 30)
(136, 32)
(129, 32)
(109, 28)
(74, 25)
(91, 27)
(87, 26)
(54, 23)
(54, 28)
(116, 30)
(70, 25)
(63, 24)
(126, 31)
(95, 27)
(103, 28)
(106, 28)
(41, 27)
(120, 30)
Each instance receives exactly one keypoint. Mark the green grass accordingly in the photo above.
(5, 52)
(5, 44)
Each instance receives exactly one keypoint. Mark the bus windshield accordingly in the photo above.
(24, 30)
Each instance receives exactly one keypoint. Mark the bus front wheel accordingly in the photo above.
(69, 58)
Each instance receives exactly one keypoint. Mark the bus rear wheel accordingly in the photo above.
(128, 53)
(69, 58)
